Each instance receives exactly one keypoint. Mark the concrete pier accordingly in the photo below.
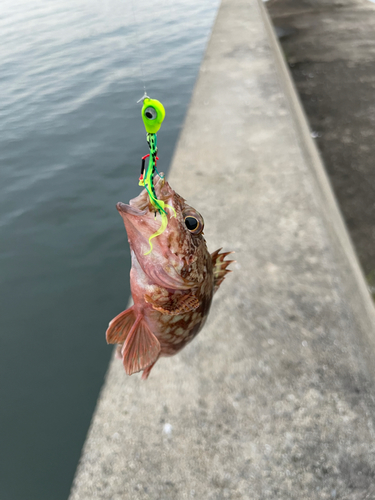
(275, 398)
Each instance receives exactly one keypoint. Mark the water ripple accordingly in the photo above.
(71, 138)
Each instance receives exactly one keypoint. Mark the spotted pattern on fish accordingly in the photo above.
(172, 287)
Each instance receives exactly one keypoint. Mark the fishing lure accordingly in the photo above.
(153, 114)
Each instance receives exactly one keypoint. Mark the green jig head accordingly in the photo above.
(153, 114)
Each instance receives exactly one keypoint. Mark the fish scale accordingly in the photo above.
(172, 287)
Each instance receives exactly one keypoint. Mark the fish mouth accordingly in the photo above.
(141, 205)
(125, 209)
(140, 217)
(138, 224)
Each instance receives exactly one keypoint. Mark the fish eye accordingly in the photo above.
(193, 224)
(150, 113)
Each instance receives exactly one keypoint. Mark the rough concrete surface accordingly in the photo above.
(330, 48)
(274, 399)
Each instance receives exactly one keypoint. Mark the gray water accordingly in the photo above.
(71, 139)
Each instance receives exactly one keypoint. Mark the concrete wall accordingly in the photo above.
(274, 399)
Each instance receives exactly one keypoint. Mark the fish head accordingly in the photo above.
(179, 255)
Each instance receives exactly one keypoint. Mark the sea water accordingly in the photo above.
(71, 139)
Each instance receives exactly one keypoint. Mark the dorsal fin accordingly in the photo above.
(220, 267)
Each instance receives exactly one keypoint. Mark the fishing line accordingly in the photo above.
(137, 27)
(164, 5)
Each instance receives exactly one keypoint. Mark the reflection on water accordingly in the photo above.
(71, 139)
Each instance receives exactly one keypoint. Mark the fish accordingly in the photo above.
(172, 286)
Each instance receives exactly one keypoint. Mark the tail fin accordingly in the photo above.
(220, 267)
(141, 348)
(120, 326)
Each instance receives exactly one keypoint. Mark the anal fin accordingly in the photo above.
(175, 305)
(141, 348)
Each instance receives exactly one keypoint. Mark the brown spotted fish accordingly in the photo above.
(172, 286)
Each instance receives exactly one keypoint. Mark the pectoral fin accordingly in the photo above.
(175, 305)
(141, 347)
